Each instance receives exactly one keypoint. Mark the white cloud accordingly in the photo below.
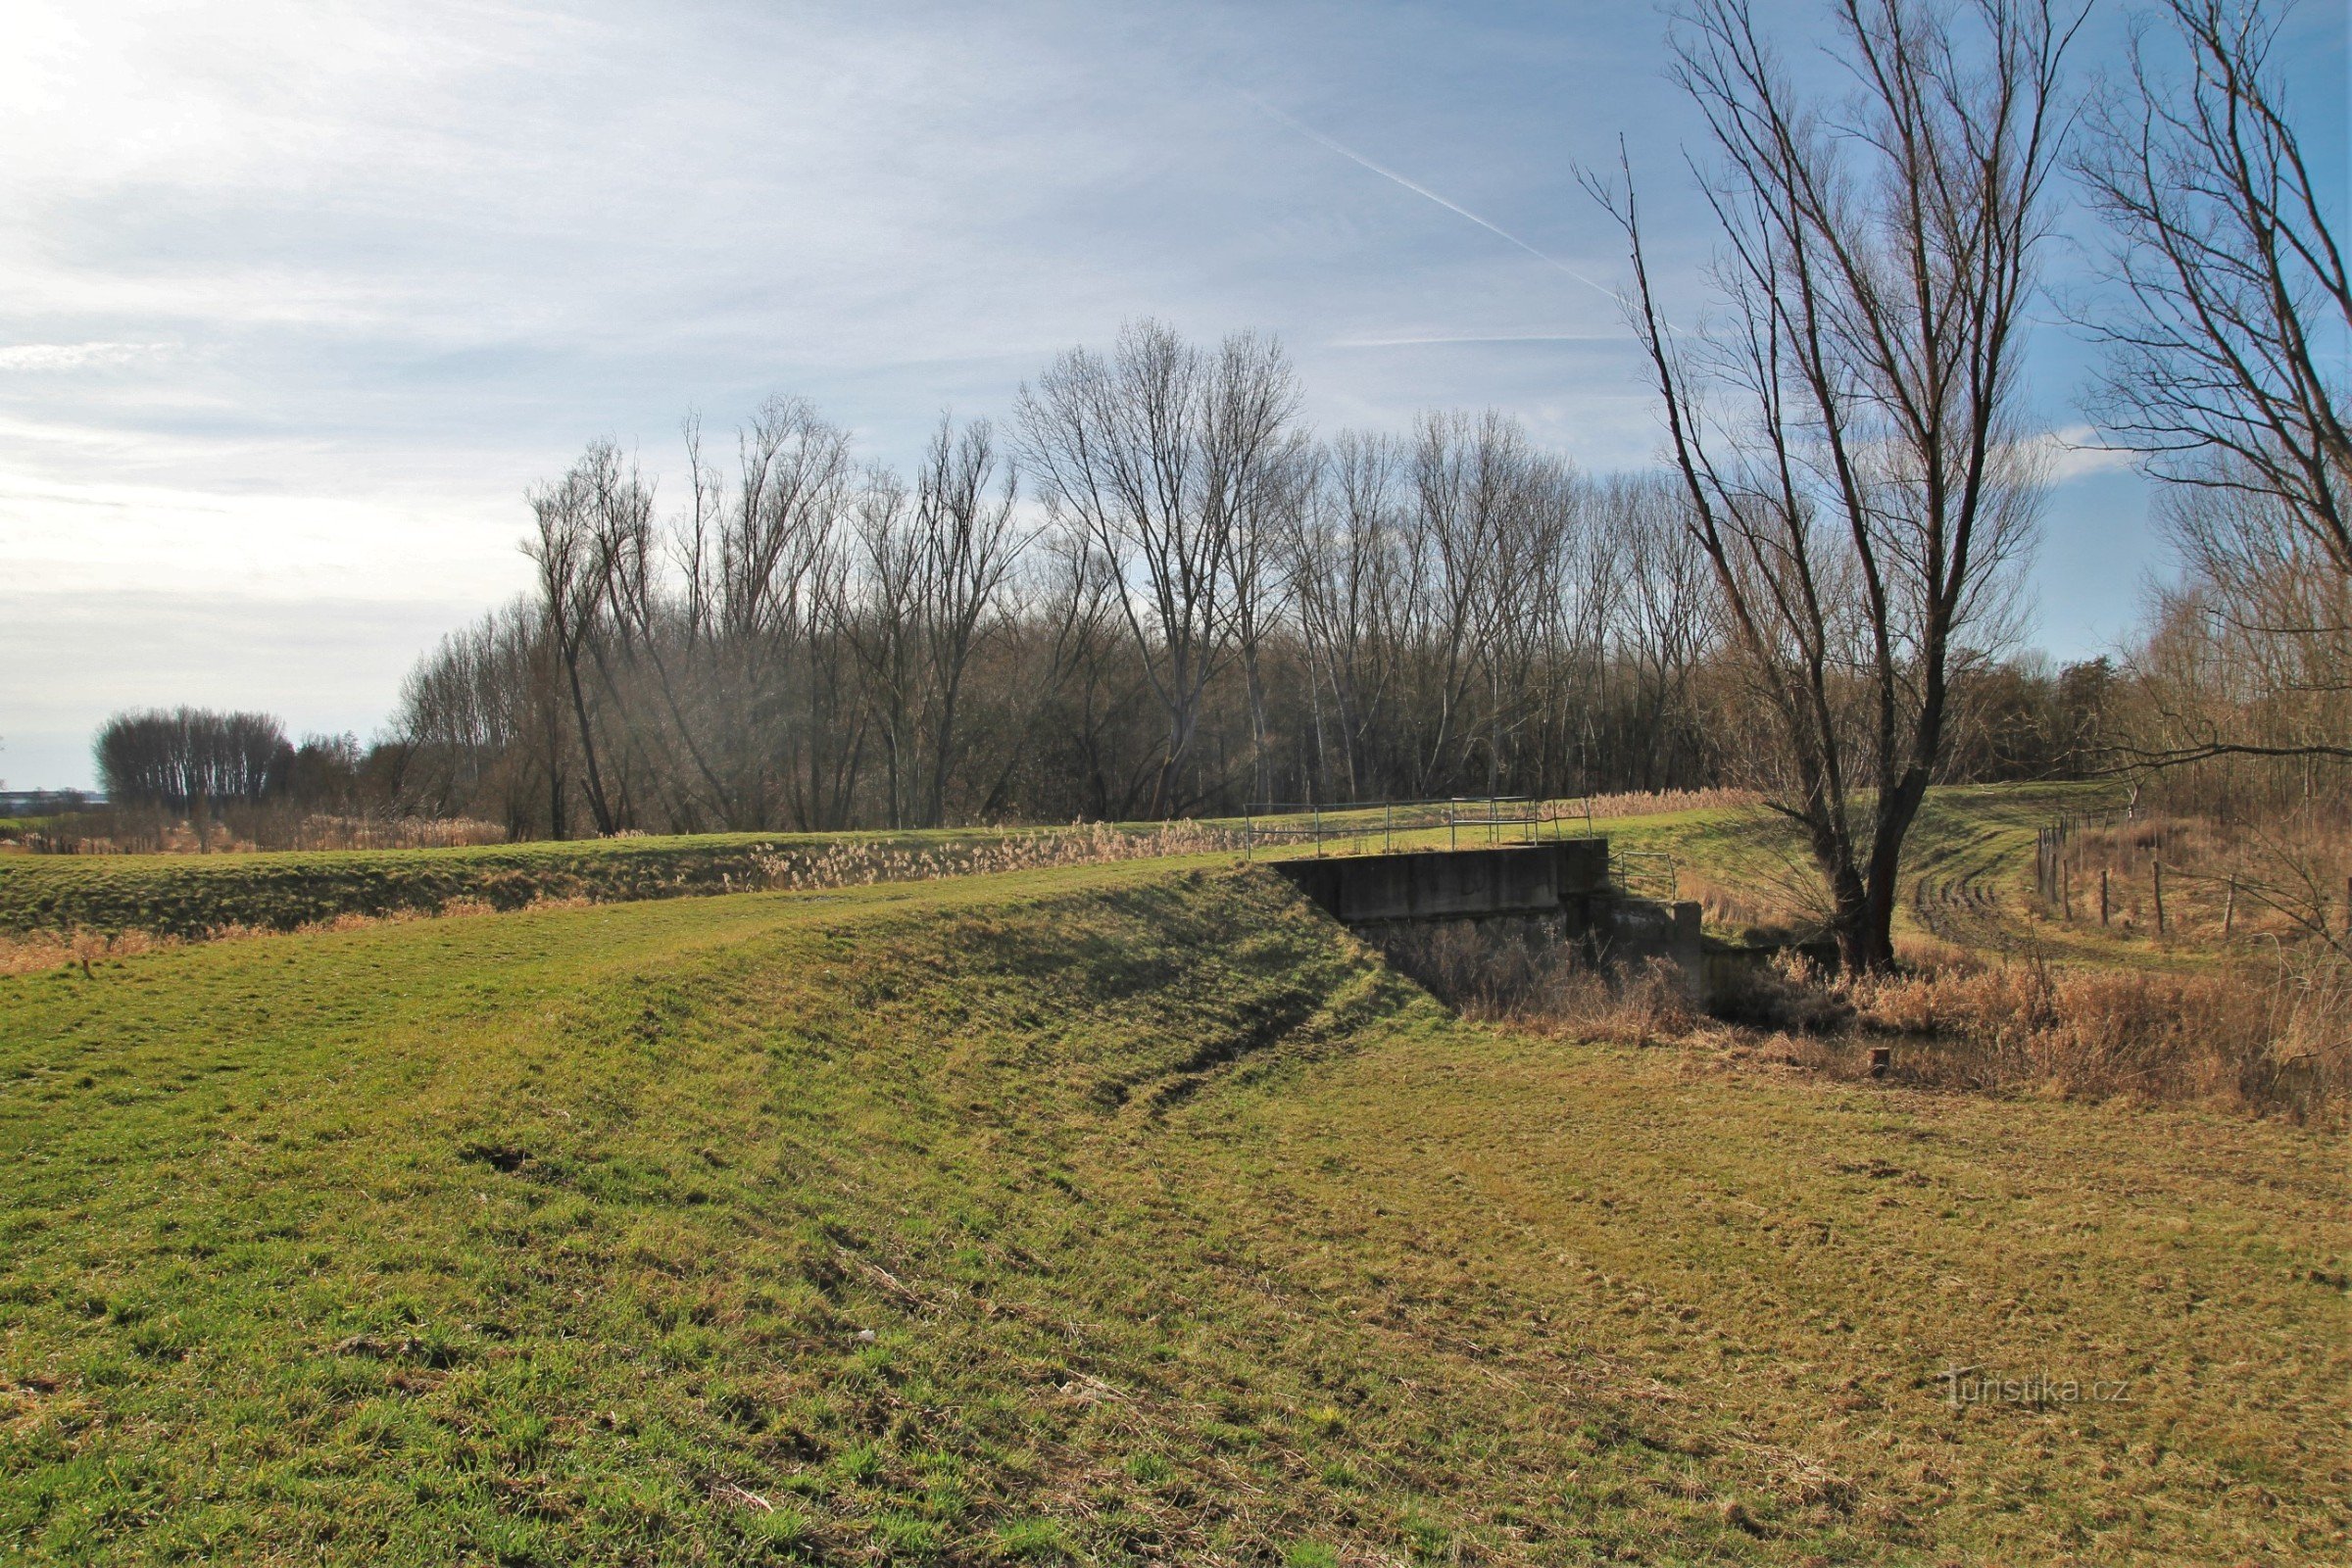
(74, 356)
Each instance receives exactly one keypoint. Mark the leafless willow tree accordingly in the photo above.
(1848, 436)
(2227, 368)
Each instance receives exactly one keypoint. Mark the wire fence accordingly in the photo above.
(2074, 886)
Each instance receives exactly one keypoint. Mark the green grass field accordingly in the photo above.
(1114, 1213)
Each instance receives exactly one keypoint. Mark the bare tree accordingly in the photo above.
(884, 628)
(1849, 439)
(568, 605)
(2227, 370)
(1660, 619)
(1157, 455)
(2231, 342)
(970, 544)
(1342, 559)
(775, 591)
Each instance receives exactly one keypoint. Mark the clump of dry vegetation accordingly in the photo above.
(1529, 974)
(2280, 1044)
(249, 830)
(2283, 873)
(861, 863)
(1659, 803)
(117, 908)
(33, 951)
(2267, 1044)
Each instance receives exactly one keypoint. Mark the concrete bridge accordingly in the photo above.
(1565, 879)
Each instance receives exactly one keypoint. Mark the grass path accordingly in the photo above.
(1117, 1213)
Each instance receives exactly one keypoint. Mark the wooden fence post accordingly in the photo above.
(2160, 897)
(2102, 896)
(2230, 910)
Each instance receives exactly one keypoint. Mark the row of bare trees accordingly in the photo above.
(187, 760)
(1196, 604)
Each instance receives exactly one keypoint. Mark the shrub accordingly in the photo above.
(1527, 972)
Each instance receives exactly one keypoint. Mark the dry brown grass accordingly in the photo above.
(2284, 875)
(1658, 802)
(1744, 906)
(861, 863)
(246, 831)
(40, 951)
(2271, 1045)
(1525, 974)
(2275, 1045)
(36, 951)
(843, 863)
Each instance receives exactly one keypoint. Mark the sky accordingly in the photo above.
(297, 301)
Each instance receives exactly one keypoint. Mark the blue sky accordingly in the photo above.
(296, 299)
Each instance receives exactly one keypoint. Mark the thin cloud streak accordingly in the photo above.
(1419, 189)
(1487, 337)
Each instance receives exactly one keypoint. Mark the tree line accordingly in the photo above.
(1155, 596)
(193, 762)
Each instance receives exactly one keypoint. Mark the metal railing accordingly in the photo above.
(1646, 873)
(1362, 827)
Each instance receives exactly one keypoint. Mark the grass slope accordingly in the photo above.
(198, 895)
(1113, 1213)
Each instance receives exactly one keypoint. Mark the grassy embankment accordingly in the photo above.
(1113, 1212)
(192, 896)
(195, 895)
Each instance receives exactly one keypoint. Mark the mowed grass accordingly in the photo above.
(1113, 1213)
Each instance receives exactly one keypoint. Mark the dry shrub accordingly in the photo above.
(1788, 997)
(2275, 1043)
(1745, 908)
(33, 951)
(244, 829)
(857, 862)
(2275, 874)
(2278, 1047)
(1657, 803)
(1530, 974)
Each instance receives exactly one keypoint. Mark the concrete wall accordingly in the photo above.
(1630, 931)
(1451, 884)
(1567, 880)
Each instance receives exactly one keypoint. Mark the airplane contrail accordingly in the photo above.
(1419, 189)
(1484, 337)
